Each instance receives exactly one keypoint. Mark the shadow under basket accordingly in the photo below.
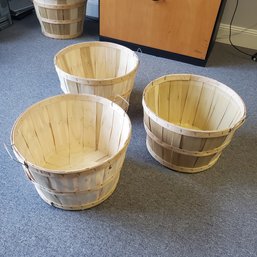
(189, 120)
(98, 68)
(61, 19)
(72, 148)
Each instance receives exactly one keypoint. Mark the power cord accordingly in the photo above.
(254, 56)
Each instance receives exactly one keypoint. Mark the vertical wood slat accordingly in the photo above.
(192, 101)
(58, 137)
(204, 105)
(100, 66)
(163, 105)
(106, 129)
(200, 121)
(87, 62)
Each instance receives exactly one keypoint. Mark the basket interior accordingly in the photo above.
(70, 133)
(96, 61)
(195, 103)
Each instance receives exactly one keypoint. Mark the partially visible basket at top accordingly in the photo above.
(189, 120)
(72, 148)
(61, 19)
(98, 68)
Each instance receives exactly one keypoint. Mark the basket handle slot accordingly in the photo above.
(124, 100)
(12, 158)
(26, 170)
(140, 53)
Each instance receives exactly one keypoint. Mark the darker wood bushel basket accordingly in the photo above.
(61, 19)
(189, 120)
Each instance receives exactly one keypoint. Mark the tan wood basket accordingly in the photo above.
(189, 120)
(72, 148)
(61, 19)
(98, 68)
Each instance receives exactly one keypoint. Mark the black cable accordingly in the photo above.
(230, 25)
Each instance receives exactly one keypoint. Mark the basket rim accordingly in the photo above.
(189, 131)
(96, 98)
(101, 82)
(57, 6)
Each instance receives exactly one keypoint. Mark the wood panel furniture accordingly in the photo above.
(182, 30)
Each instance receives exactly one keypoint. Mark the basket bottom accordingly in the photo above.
(75, 160)
(56, 36)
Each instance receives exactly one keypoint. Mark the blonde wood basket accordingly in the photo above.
(61, 19)
(72, 148)
(189, 120)
(98, 68)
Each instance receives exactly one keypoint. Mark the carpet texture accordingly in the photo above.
(154, 211)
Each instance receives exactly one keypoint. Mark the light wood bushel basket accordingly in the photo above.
(189, 120)
(72, 148)
(61, 19)
(98, 68)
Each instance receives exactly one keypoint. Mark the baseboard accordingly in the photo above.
(157, 52)
(240, 36)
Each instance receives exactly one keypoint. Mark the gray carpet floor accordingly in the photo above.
(154, 211)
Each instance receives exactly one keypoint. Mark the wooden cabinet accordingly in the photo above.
(182, 27)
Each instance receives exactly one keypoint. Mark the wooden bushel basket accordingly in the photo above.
(61, 19)
(98, 68)
(72, 148)
(189, 120)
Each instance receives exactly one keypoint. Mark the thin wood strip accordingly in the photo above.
(96, 82)
(51, 21)
(119, 97)
(180, 168)
(184, 151)
(52, 191)
(97, 44)
(52, 35)
(77, 207)
(49, 173)
(59, 6)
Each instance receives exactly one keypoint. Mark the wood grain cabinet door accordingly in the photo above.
(179, 26)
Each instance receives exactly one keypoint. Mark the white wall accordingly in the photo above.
(92, 8)
(246, 15)
(244, 29)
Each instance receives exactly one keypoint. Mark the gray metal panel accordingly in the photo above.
(5, 16)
